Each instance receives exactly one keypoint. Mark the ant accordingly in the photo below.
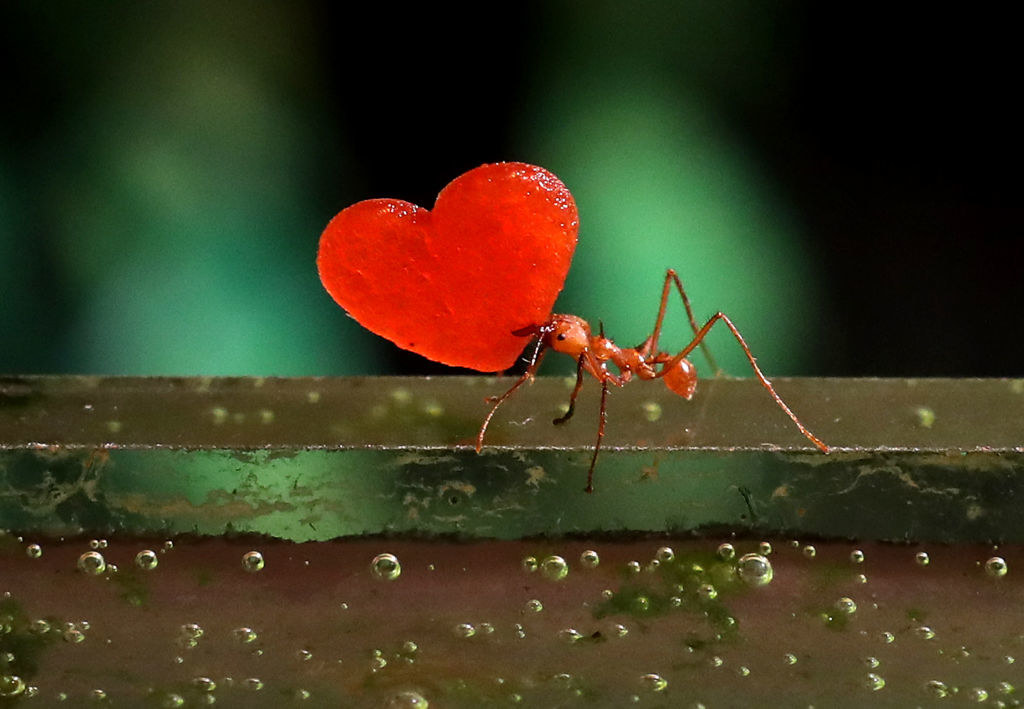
(571, 335)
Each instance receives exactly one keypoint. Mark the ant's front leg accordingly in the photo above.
(575, 392)
(538, 356)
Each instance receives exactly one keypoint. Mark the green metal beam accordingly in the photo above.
(314, 459)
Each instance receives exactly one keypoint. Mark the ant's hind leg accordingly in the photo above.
(699, 338)
(650, 345)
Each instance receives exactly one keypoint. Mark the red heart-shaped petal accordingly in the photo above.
(455, 283)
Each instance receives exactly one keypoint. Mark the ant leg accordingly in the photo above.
(575, 392)
(651, 344)
(600, 435)
(538, 356)
(699, 338)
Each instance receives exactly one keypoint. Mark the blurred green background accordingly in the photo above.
(841, 181)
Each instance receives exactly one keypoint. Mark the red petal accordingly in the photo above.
(454, 283)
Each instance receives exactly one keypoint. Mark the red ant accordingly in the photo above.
(571, 335)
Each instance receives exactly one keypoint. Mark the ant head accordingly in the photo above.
(567, 333)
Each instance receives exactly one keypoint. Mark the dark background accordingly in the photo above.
(842, 181)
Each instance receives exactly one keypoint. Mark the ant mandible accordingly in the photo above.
(571, 335)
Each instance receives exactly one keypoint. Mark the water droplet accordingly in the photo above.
(252, 561)
(789, 658)
(652, 411)
(810, 551)
(887, 637)
(386, 567)
(707, 592)
(11, 685)
(191, 631)
(534, 606)
(846, 605)
(620, 630)
(1006, 688)
(937, 689)
(401, 395)
(755, 570)
(464, 630)
(301, 694)
(589, 559)
(654, 683)
(253, 684)
(716, 661)
(204, 684)
(641, 603)
(570, 635)
(925, 416)
(244, 635)
(530, 564)
(519, 630)
(40, 626)
(765, 548)
(743, 671)
(978, 694)
(146, 560)
(73, 635)
(860, 578)
(652, 566)
(304, 655)
(98, 695)
(726, 551)
(407, 699)
(172, 701)
(871, 663)
(922, 558)
(924, 632)
(874, 682)
(409, 647)
(92, 563)
(857, 556)
(675, 601)
(607, 594)
(554, 568)
(34, 551)
(633, 567)
(485, 629)
(1008, 659)
(996, 567)
(664, 554)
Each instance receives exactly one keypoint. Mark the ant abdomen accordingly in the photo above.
(681, 378)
